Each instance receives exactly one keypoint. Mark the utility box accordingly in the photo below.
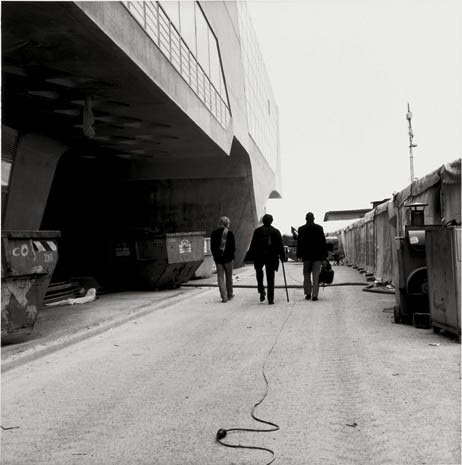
(28, 261)
(412, 290)
(151, 261)
(443, 264)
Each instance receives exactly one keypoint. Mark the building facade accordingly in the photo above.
(123, 117)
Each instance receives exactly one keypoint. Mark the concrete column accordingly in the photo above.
(31, 177)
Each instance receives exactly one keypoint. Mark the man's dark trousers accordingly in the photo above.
(270, 270)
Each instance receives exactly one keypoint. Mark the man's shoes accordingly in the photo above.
(314, 299)
(262, 296)
(270, 302)
(230, 296)
(307, 297)
(224, 301)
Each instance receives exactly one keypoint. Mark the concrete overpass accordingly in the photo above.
(106, 132)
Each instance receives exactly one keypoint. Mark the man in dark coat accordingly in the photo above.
(312, 249)
(223, 246)
(265, 250)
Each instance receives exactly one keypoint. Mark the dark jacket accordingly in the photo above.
(215, 241)
(311, 242)
(266, 246)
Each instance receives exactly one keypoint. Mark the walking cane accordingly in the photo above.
(285, 281)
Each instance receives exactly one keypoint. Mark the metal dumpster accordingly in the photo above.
(443, 261)
(28, 261)
(152, 261)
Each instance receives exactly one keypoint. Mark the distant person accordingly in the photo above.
(312, 249)
(223, 247)
(265, 250)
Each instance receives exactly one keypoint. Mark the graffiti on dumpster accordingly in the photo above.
(22, 251)
(17, 291)
(27, 265)
(185, 246)
(30, 257)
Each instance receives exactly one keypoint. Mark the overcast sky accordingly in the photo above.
(342, 73)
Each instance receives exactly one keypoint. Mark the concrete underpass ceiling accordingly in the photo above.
(54, 57)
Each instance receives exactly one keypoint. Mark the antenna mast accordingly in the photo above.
(411, 144)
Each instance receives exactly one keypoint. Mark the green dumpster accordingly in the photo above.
(28, 261)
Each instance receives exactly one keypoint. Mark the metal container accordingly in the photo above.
(152, 261)
(28, 261)
(443, 269)
(412, 294)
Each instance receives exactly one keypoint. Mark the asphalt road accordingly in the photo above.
(346, 386)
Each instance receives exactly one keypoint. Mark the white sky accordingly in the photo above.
(342, 73)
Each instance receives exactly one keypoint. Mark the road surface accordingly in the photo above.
(346, 386)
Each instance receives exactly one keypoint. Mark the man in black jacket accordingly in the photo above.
(312, 249)
(223, 247)
(265, 250)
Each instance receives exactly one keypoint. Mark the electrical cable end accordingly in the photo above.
(221, 433)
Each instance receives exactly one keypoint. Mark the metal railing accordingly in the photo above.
(155, 22)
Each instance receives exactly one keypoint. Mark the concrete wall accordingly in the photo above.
(118, 24)
(187, 188)
(174, 197)
(223, 17)
(31, 178)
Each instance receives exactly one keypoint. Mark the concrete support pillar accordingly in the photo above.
(33, 171)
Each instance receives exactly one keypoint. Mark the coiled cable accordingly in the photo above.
(222, 432)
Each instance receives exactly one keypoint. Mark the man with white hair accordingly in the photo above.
(223, 248)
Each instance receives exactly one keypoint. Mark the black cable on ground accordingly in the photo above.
(252, 286)
(222, 432)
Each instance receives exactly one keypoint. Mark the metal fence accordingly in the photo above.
(157, 25)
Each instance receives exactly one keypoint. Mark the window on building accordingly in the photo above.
(172, 10)
(202, 35)
(215, 69)
(190, 45)
(188, 25)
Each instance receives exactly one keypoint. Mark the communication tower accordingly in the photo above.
(411, 144)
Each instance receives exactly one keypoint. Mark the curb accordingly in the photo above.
(34, 353)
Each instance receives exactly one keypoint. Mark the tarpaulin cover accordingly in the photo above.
(450, 173)
(370, 243)
(384, 237)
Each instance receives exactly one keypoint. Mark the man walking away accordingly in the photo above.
(223, 247)
(312, 249)
(265, 250)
